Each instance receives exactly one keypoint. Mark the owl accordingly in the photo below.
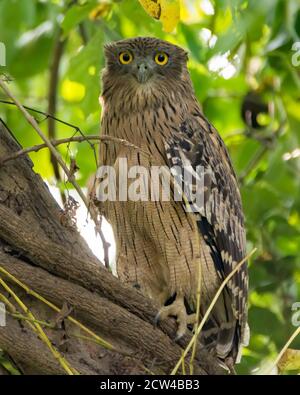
(173, 249)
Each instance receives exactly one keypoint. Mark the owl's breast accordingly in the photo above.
(147, 130)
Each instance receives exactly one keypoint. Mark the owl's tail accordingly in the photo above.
(222, 333)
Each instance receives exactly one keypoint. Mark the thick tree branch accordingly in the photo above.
(116, 325)
(28, 350)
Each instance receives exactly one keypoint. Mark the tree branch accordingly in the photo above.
(79, 139)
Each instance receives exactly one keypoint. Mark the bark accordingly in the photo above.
(53, 260)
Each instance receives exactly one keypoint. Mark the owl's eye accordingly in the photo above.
(161, 58)
(125, 57)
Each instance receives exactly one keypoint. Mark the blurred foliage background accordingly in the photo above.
(246, 72)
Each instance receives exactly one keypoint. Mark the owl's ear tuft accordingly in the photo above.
(108, 49)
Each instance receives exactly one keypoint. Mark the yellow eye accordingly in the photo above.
(125, 57)
(161, 58)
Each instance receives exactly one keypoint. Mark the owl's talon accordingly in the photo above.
(176, 309)
(157, 319)
(178, 337)
(191, 319)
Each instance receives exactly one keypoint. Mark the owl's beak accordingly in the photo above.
(143, 72)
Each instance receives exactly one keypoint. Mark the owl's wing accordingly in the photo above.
(197, 146)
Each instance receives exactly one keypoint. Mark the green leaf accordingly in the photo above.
(290, 360)
(85, 68)
(77, 14)
(33, 48)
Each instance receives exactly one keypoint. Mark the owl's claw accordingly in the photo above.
(178, 337)
(176, 309)
(157, 319)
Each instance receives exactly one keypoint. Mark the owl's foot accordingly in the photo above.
(176, 309)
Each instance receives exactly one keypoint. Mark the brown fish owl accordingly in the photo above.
(148, 100)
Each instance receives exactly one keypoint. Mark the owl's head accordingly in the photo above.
(145, 60)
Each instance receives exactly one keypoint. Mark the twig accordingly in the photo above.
(11, 307)
(79, 139)
(105, 244)
(191, 362)
(63, 362)
(183, 365)
(46, 115)
(19, 316)
(208, 311)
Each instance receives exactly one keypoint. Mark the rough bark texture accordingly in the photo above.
(55, 261)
